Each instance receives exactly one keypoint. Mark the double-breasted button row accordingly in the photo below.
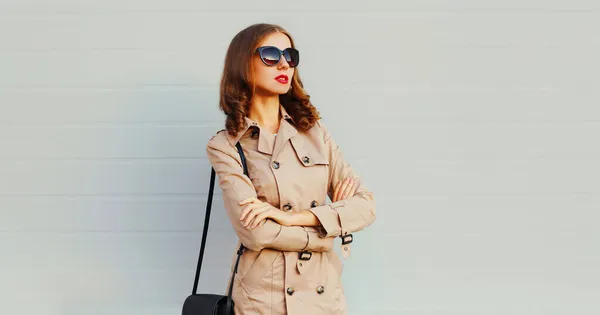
(320, 289)
(288, 206)
(305, 160)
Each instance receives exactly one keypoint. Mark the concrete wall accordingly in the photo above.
(475, 124)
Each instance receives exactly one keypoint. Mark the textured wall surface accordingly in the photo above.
(475, 124)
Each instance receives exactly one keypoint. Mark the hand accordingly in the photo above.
(257, 212)
(344, 189)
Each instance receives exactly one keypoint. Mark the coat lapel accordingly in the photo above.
(285, 133)
(266, 143)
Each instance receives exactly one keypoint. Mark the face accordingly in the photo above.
(273, 79)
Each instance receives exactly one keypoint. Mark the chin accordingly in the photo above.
(274, 89)
(280, 89)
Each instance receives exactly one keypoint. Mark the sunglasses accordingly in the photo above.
(271, 55)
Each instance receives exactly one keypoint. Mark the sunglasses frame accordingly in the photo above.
(260, 49)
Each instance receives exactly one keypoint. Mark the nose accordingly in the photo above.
(283, 64)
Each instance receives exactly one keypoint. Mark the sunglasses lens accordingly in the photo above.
(270, 56)
(291, 56)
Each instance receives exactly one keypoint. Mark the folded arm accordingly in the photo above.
(348, 215)
(236, 187)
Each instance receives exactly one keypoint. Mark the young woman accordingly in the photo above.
(279, 211)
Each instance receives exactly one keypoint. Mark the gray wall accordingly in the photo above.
(475, 123)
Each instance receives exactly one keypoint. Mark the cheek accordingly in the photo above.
(263, 76)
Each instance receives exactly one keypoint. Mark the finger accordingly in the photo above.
(254, 213)
(336, 194)
(259, 218)
(249, 208)
(251, 199)
(342, 188)
(251, 214)
(246, 210)
(245, 201)
(335, 191)
(348, 189)
(259, 215)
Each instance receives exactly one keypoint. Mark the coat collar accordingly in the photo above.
(286, 131)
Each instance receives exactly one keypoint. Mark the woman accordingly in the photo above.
(279, 211)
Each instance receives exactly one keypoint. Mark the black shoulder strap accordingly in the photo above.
(205, 231)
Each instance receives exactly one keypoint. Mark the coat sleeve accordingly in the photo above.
(236, 186)
(344, 216)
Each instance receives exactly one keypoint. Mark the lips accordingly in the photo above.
(282, 78)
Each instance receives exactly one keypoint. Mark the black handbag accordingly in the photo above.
(207, 303)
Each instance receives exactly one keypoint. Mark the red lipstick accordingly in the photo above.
(282, 78)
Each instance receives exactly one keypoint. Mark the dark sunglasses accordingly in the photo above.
(270, 55)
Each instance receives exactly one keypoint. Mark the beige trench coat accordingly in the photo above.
(293, 171)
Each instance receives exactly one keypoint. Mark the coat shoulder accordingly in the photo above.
(219, 141)
(220, 149)
(320, 129)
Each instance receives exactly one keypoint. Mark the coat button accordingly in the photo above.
(287, 206)
(314, 203)
(320, 289)
(275, 165)
(306, 160)
(290, 290)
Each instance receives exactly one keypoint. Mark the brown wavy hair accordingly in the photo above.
(237, 82)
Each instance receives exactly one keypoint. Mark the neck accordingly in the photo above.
(265, 111)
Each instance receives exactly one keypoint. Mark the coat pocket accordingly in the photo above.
(254, 277)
